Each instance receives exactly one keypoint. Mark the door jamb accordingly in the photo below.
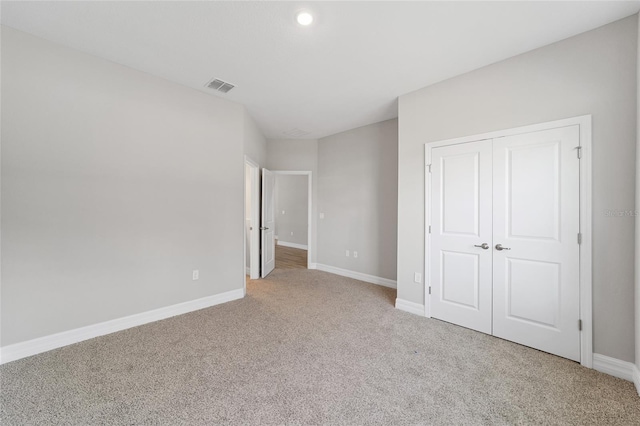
(586, 279)
(309, 175)
(255, 222)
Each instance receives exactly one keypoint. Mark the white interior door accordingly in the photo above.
(253, 206)
(268, 243)
(521, 196)
(461, 234)
(536, 216)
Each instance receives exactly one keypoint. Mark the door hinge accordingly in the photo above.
(579, 237)
(429, 167)
(429, 228)
(579, 149)
(429, 289)
(580, 325)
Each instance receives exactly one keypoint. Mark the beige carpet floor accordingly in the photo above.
(307, 347)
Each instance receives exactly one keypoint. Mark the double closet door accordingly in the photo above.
(504, 248)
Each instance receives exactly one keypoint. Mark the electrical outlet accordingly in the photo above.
(355, 254)
(417, 277)
(282, 211)
(347, 253)
(321, 215)
(195, 275)
(291, 232)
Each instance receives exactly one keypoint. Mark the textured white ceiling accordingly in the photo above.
(345, 70)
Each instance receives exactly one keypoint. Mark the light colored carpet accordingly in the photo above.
(307, 347)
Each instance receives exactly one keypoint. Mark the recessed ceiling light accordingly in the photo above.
(304, 18)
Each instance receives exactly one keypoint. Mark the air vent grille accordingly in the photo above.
(219, 85)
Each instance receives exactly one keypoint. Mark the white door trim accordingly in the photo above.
(308, 173)
(254, 256)
(586, 284)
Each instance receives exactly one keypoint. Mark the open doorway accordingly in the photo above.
(292, 219)
(252, 218)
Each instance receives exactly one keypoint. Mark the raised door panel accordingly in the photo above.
(460, 194)
(460, 278)
(534, 191)
(533, 292)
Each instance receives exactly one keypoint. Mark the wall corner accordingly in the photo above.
(637, 230)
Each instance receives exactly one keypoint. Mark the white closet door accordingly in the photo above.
(536, 220)
(460, 269)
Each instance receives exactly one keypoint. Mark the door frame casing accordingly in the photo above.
(585, 248)
(254, 255)
(309, 175)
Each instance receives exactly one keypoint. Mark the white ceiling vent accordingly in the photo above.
(219, 85)
(296, 133)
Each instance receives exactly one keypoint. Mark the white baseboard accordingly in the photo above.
(355, 275)
(636, 378)
(312, 266)
(614, 367)
(293, 245)
(411, 307)
(43, 344)
(247, 270)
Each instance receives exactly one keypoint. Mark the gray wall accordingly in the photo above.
(357, 192)
(255, 144)
(298, 155)
(292, 154)
(291, 193)
(115, 186)
(592, 73)
(637, 258)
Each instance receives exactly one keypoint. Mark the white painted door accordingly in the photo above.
(268, 243)
(536, 213)
(519, 195)
(461, 234)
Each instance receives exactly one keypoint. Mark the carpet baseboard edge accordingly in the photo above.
(43, 344)
(411, 307)
(614, 367)
(385, 282)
